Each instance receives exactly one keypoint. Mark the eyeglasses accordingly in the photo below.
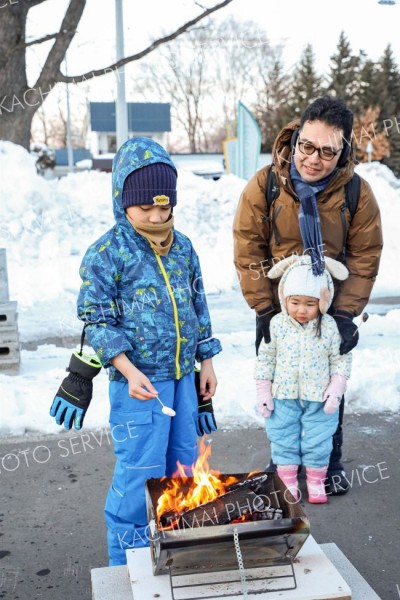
(324, 153)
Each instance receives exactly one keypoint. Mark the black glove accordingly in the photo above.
(347, 329)
(205, 422)
(263, 320)
(75, 392)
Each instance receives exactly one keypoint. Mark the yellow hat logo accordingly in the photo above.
(161, 200)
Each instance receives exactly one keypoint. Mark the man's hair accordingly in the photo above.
(332, 111)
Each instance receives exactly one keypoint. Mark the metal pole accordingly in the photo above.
(69, 136)
(120, 105)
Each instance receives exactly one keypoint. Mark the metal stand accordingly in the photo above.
(222, 583)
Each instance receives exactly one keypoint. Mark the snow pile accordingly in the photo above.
(387, 192)
(46, 226)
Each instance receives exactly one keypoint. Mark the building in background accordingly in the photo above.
(144, 118)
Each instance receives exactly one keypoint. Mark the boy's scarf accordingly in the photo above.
(309, 221)
(160, 236)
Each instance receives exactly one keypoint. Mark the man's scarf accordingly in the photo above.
(309, 221)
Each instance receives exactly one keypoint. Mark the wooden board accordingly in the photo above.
(317, 579)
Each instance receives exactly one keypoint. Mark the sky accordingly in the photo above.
(368, 25)
(46, 226)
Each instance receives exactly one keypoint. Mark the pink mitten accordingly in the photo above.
(333, 393)
(265, 402)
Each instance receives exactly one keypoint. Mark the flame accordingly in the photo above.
(204, 486)
(240, 519)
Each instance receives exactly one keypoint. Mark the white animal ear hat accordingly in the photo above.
(299, 280)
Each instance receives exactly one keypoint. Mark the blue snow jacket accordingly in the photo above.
(136, 301)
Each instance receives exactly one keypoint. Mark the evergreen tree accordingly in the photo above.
(388, 84)
(271, 109)
(368, 95)
(344, 78)
(307, 84)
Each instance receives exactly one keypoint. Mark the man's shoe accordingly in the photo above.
(337, 483)
(271, 467)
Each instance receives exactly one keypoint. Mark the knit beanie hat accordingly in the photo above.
(154, 184)
(302, 282)
(297, 279)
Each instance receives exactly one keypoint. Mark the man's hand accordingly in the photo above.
(263, 320)
(347, 329)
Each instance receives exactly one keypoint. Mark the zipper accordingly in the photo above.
(175, 309)
(301, 363)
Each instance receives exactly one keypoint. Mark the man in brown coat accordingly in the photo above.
(312, 160)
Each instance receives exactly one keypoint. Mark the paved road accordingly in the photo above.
(53, 490)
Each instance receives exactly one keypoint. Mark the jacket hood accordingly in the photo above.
(287, 265)
(134, 154)
(282, 157)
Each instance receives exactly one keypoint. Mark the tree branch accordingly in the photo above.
(98, 72)
(34, 3)
(51, 68)
(46, 38)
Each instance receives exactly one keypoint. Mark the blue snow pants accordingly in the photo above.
(147, 444)
(301, 433)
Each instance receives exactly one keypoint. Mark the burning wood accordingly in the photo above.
(184, 493)
(240, 502)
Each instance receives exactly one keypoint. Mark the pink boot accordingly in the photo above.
(316, 484)
(288, 474)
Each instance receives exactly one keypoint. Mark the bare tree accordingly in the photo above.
(206, 72)
(50, 128)
(49, 125)
(21, 102)
(42, 125)
(179, 70)
(236, 49)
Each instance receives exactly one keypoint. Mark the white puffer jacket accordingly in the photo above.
(299, 363)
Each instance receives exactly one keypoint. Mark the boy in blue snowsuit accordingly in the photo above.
(145, 310)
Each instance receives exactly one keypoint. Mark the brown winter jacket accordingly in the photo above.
(253, 228)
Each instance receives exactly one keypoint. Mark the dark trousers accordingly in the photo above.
(337, 440)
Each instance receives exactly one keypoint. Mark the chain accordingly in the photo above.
(240, 562)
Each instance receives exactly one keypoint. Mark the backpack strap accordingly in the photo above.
(271, 193)
(272, 189)
(352, 194)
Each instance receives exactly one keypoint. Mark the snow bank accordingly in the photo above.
(387, 191)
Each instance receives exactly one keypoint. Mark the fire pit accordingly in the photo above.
(216, 522)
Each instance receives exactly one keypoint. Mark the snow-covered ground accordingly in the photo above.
(47, 225)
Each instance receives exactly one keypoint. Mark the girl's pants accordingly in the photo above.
(301, 433)
(147, 444)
